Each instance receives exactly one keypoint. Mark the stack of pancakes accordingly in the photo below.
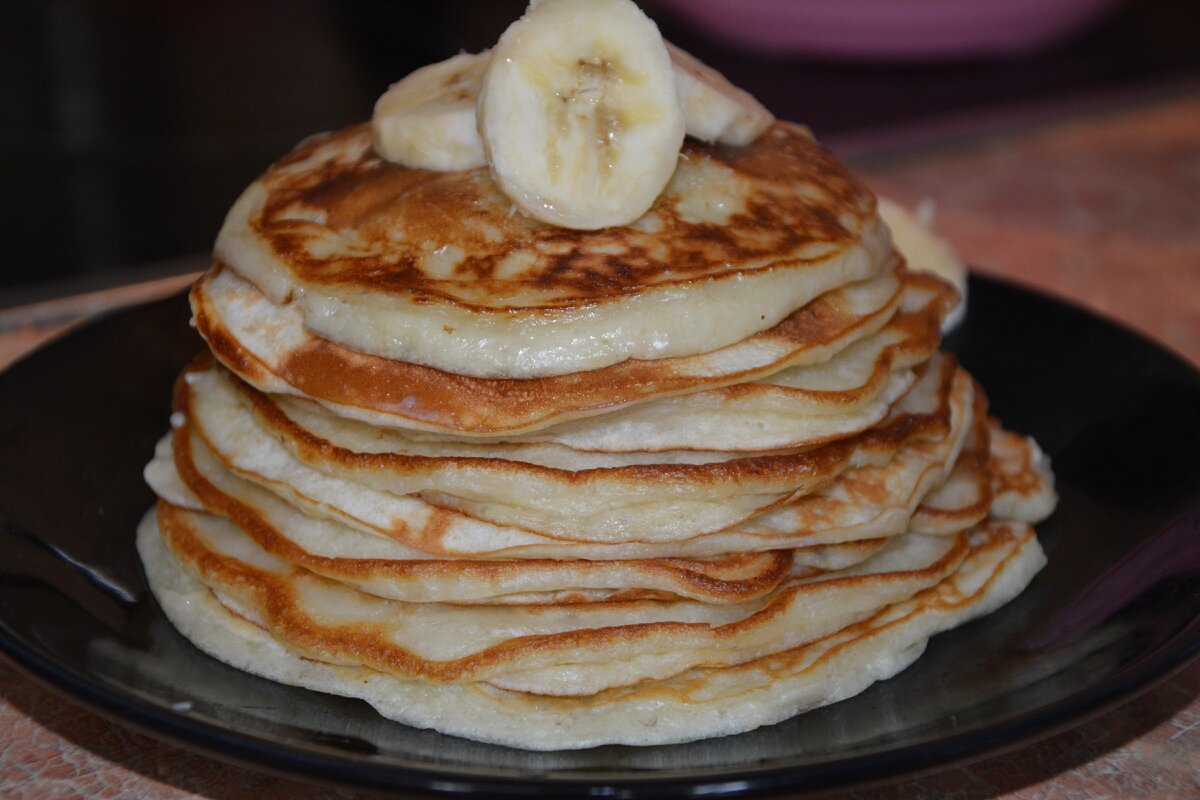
(557, 488)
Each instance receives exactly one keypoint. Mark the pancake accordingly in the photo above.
(700, 703)
(553, 649)
(387, 568)
(965, 497)
(421, 266)
(865, 503)
(269, 347)
(1024, 485)
(795, 407)
(544, 488)
(908, 491)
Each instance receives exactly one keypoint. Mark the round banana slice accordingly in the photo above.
(427, 120)
(714, 110)
(579, 113)
(925, 251)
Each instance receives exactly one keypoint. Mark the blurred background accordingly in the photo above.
(127, 127)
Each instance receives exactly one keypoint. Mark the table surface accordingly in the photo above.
(1101, 207)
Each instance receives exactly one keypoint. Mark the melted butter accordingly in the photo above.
(708, 193)
(441, 262)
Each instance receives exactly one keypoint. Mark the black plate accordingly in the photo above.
(1117, 608)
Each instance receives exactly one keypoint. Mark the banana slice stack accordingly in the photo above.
(579, 110)
(576, 401)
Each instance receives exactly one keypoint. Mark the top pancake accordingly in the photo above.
(436, 268)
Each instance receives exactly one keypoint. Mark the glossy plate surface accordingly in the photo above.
(1117, 608)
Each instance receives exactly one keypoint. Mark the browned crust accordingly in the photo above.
(699, 576)
(805, 470)
(276, 600)
(996, 535)
(973, 463)
(375, 199)
(1014, 475)
(326, 371)
(920, 338)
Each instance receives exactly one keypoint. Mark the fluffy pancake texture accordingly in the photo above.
(556, 488)
(268, 346)
(699, 703)
(433, 268)
(579, 495)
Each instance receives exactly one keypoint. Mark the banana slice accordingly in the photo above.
(427, 120)
(715, 110)
(925, 251)
(579, 113)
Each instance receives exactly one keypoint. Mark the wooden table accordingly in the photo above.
(1100, 207)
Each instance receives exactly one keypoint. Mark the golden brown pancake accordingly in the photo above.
(865, 503)
(433, 268)
(700, 703)
(572, 648)
(382, 566)
(268, 346)
(1023, 484)
(565, 494)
